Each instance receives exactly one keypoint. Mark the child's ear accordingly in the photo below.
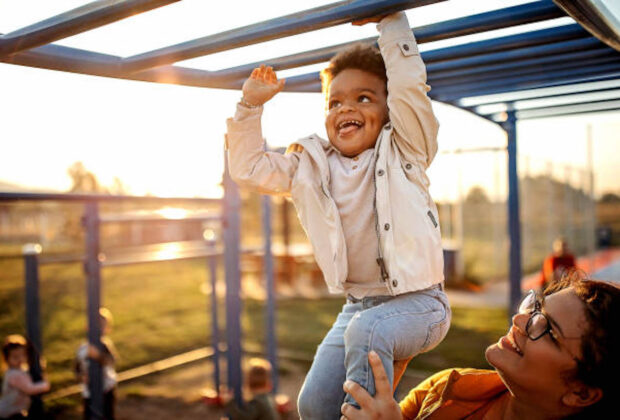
(582, 396)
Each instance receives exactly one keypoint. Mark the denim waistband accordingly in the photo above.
(370, 301)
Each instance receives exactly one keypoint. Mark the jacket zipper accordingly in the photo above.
(380, 261)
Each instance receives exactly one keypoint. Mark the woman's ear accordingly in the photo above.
(580, 396)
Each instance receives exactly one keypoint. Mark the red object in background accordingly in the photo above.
(284, 404)
(211, 397)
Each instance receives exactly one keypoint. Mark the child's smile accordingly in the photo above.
(357, 110)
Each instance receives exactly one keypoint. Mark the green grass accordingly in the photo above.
(160, 310)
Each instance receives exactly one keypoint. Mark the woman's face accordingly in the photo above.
(536, 371)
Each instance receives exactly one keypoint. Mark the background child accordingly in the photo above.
(363, 200)
(107, 358)
(17, 386)
(262, 405)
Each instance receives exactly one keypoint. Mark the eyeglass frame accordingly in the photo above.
(537, 310)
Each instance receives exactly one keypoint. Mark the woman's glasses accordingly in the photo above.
(538, 323)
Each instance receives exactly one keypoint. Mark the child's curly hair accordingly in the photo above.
(359, 56)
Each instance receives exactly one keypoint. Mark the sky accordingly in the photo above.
(168, 140)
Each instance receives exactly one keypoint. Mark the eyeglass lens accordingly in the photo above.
(528, 304)
(537, 326)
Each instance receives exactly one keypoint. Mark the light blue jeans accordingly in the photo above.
(396, 327)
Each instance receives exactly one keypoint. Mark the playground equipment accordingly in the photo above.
(489, 78)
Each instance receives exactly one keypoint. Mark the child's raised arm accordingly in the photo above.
(261, 86)
(411, 113)
(250, 166)
(25, 384)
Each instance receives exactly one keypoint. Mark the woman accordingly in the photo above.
(558, 360)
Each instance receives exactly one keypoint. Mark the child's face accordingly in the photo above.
(357, 110)
(17, 358)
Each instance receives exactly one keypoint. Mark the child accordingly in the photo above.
(17, 386)
(261, 406)
(107, 358)
(363, 200)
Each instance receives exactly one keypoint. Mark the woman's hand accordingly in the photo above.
(381, 406)
(261, 86)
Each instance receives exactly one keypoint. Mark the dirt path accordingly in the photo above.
(176, 394)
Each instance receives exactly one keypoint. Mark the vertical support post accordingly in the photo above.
(231, 216)
(514, 222)
(215, 334)
(591, 212)
(270, 286)
(33, 323)
(92, 268)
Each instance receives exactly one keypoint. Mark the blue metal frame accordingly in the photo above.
(270, 318)
(494, 66)
(514, 221)
(92, 268)
(81, 19)
(232, 203)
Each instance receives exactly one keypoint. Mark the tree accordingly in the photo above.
(83, 180)
(477, 195)
(610, 198)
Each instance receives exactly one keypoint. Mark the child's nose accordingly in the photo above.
(346, 107)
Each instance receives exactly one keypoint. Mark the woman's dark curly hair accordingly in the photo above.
(359, 56)
(599, 366)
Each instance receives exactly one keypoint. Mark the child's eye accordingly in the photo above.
(334, 104)
(364, 98)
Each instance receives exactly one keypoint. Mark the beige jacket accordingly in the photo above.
(407, 221)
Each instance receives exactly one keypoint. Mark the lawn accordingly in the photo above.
(161, 309)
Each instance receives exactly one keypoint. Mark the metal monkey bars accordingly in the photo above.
(574, 67)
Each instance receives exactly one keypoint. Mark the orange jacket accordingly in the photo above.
(452, 394)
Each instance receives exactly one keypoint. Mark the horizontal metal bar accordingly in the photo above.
(476, 49)
(451, 93)
(311, 81)
(496, 77)
(78, 20)
(158, 217)
(24, 196)
(56, 57)
(497, 19)
(510, 42)
(293, 24)
(566, 58)
(547, 102)
(599, 106)
(545, 50)
(130, 259)
(596, 17)
(541, 93)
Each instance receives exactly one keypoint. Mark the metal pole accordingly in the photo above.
(591, 216)
(33, 323)
(215, 334)
(92, 267)
(269, 285)
(232, 206)
(514, 222)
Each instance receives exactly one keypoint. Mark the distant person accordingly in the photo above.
(17, 386)
(107, 357)
(262, 405)
(559, 360)
(558, 263)
(363, 199)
